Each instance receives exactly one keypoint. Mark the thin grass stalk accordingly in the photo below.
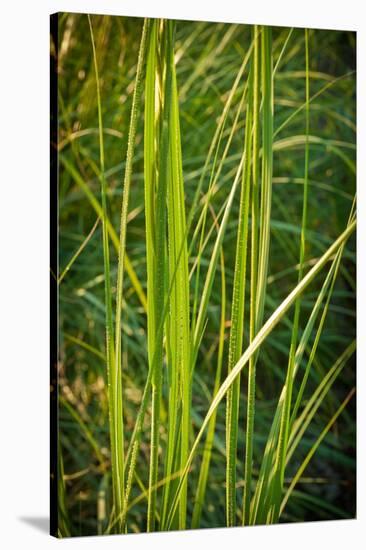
(85, 431)
(116, 449)
(267, 162)
(150, 176)
(63, 516)
(253, 279)
(78, 252)
(285, 418)
(237, 317)
(311, 99)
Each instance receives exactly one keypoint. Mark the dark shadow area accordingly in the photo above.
(40, 523)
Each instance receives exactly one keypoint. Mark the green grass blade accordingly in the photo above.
(286, 410)
(237, 318)
(156, 176)
(253, 279)
(116, 450)
(121, 260)
(179, 336)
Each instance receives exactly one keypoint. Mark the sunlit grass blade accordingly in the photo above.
(237, 316)
(179, 329)
(253, 321)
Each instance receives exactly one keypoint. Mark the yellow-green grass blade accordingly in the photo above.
(156, 176)
(114, 422)
(179, 329)
(266, 176)
(150, 176)
(253, 278)
(237, 317)
(121, 260)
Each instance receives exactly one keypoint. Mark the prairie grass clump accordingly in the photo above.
(207, 210)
